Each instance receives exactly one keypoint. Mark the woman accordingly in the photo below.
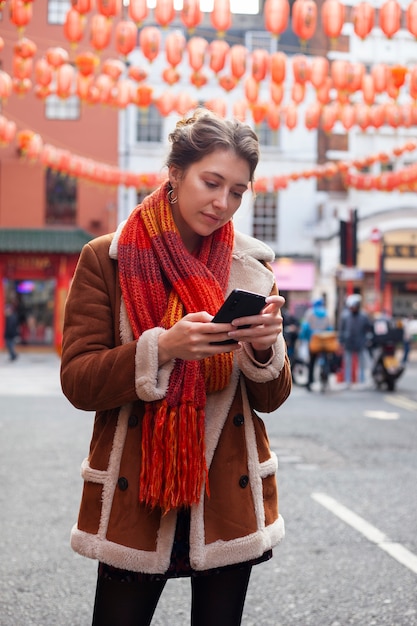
(180, 480)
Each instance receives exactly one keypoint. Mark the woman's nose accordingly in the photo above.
(221, 199)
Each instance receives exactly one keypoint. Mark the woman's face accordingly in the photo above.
(209, 194)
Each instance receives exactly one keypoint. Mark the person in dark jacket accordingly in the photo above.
(355, 327)
(10, 331)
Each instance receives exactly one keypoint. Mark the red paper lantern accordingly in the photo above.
(217, 105)
(397, 74)
(196, 48)
(22, 68)
(1, 43)
(377, 115)
(113, 68)
(83, 85)
(304, 18)
(125, 37)
(170, 75)
(109, 8)
(5, 86)
(259, 112)
(100, 32)
(368, 89)
(122, 93)
(393, 115)
(20, 13)
(164, 12)
(138, 11)
(221, 16)
(312, 115)
(413, 82)
(86, 63)
(191, 14)
(411, 18)
(198, 79)
(291, 116)
(238, 58)
(142, 96)
(166, 103)
(185, 103)
(65, 75)
(347, 116)
(56, 57)
(251, 89)
(298, 92)
(260, 60)
(276, 14)
(273, 116)
(277, 92)
(390, 17)
(300, 68)
(332, 17)
(43, 72)
(338, 73)
(228, 83)
(328, 118)
(354, 76)
(42, 92)
(278, 62)
(323, 92)
(150, 41)
(82, 6)
(319, 70)
(24, 48)
(7, 131)
(104, 85)
(73, 27)
(379, 73)
(218, 50)
(137, 73)
(240, 108)
(174, 47)
(363, 19)
(362, 116)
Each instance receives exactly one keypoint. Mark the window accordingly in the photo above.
(58, 109)
(149, 125)
(57, 11)
(261, 39)
(61, 199)
(265, 217)
(267, 136)
(387, 166)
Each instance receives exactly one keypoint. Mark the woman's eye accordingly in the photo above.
(237, 194)
(210, 184)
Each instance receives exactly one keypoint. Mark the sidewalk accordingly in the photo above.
(33, 373)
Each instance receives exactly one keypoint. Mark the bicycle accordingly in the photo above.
(326, 346)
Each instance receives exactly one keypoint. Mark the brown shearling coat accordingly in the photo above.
(104, 370)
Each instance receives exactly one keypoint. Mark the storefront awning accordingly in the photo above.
(69, 241)
(294, 276)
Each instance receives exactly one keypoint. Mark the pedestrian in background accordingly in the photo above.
(354, 333)
(180, 480)
(315, 320)
(11, 330)
(409, 325)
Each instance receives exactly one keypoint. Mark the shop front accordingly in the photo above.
(37, 266)
(295, 280)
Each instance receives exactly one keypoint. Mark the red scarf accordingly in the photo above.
(151, 256)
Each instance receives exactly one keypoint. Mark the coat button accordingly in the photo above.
(122, 483)
(133, 421)
(244, 481)
(238, 419)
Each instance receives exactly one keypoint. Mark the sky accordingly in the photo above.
(237, 6)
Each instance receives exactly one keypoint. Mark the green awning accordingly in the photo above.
(43, 240)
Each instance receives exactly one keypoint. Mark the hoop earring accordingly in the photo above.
(171, 198)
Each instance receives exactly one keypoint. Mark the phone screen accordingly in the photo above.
(239, 303)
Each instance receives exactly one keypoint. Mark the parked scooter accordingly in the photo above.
(387, 367)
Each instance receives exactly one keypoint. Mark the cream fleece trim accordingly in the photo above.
(151, 380)
(262, 372)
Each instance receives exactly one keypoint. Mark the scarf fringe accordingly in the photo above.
(168, 434)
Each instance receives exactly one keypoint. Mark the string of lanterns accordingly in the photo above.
(31, 147)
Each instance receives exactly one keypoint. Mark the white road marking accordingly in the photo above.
(382, 415)
(373, 534)
(402, 401)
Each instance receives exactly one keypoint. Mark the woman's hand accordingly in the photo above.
(264, 328)
(194, 336)
(192, 339)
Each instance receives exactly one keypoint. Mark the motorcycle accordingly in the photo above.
(387, 368)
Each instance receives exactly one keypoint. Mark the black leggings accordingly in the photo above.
(217, 600)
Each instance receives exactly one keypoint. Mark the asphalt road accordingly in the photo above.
(348, 493)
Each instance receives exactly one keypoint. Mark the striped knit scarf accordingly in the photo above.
(161, 282)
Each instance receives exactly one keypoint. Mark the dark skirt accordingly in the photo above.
(179, 566)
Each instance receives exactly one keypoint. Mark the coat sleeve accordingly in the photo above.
(97, 372)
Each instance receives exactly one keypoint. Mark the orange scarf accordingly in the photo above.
(161, 282)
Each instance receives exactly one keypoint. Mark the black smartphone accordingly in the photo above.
(239, 303)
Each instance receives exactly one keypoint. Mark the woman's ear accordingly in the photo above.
(173, 175)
